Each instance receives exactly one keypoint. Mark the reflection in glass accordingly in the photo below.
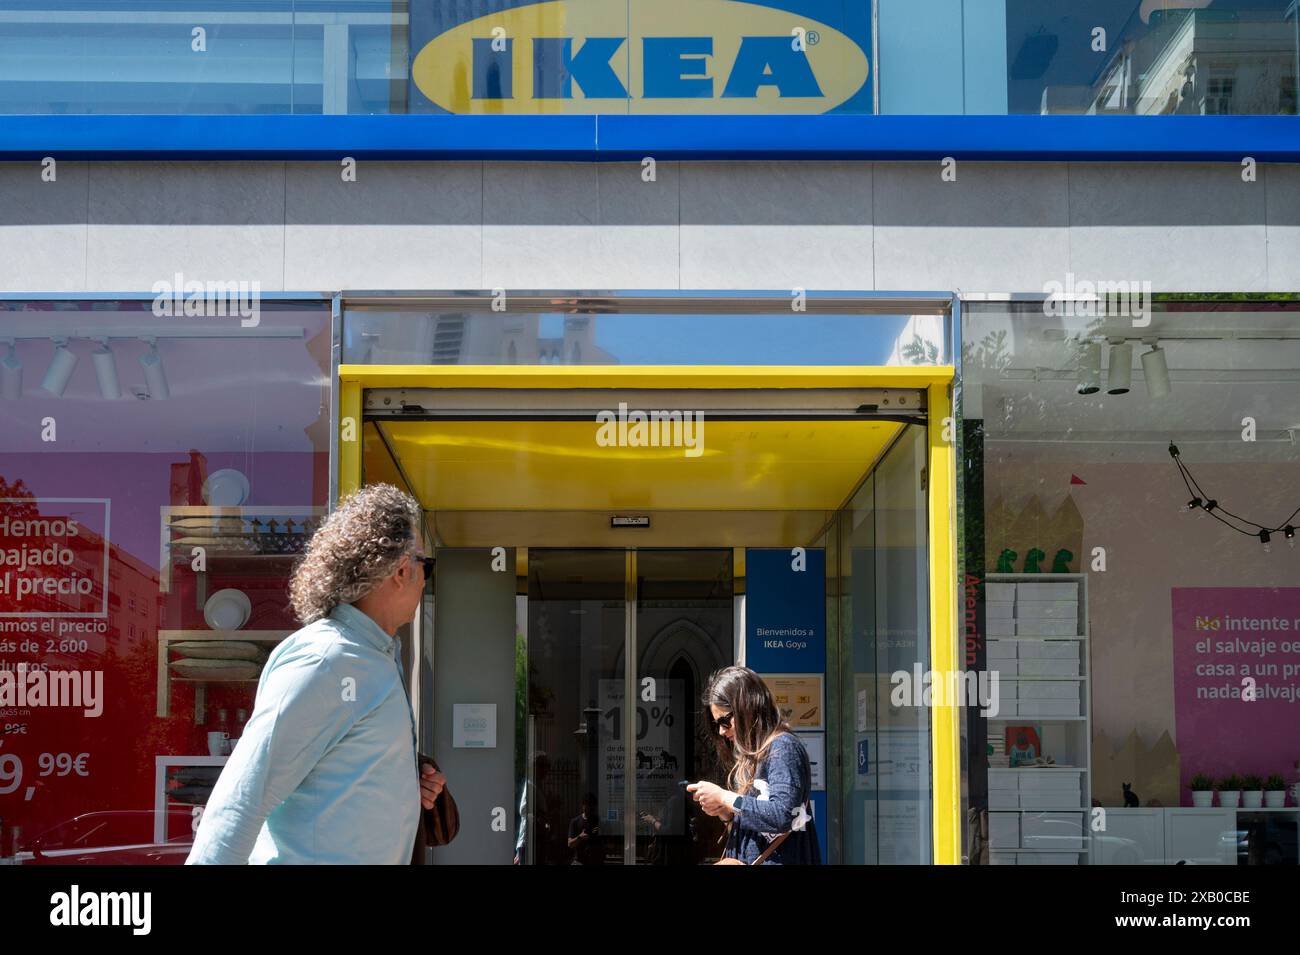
(684, 632)
(574, 755)
(772, 336)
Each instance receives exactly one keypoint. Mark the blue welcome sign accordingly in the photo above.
(785, 610)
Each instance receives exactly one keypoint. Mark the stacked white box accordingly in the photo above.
(1047, 685)
(1047, 708)
(999, 593)
(1051, 830)
(1047, 858)
(1045, 590)
(1004, 830)
(1036, 627)
(1004, 789)
(1002, 650)
(1039, 666)
(1047, 609)
(1051, 789)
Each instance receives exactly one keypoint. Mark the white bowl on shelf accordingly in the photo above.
(227, 609)
(225, 488)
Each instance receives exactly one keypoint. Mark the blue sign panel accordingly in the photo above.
(785, 610)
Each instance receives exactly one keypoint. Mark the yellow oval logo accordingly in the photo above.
(648, 56)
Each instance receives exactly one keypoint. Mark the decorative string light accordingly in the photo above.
(1205, 504)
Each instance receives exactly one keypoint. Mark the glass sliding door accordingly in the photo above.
(684, 631)
(602, 776)
(573, 808)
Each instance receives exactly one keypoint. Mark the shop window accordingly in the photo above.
(226, 463)
(1144, 637)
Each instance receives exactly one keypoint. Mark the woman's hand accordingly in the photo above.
(431, 785)
(714, 800)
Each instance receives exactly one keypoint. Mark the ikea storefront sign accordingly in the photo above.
(641, 56)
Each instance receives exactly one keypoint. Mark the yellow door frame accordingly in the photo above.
(941, 487)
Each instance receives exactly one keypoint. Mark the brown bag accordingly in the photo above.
(762, 857)
(439, 825)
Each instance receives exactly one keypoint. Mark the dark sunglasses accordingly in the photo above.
(428, 563)
(723, 721)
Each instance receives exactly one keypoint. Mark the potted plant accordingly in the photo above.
(1202, 787)
(1252, 796)
(1230, 792)
(1275, 792)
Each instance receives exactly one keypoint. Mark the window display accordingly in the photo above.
(1135, 588)
(146, 537)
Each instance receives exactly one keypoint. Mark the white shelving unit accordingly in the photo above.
(1037, 631)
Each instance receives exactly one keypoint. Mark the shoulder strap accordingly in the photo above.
(771, 847)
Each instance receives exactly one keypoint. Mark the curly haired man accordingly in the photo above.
(327, 770)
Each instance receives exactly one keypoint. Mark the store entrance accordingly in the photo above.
(607, 540)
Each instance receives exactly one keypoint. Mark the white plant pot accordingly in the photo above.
(1229, 800)
(1203, 798)
(1275, 798)
(1252, 799)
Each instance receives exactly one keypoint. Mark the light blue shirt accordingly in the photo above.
(326, 770)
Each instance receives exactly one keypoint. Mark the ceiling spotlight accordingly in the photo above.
(1119, 376)
(1192, 505)
(154, 375)
(11, 375)
(106, 371)
(1289, 531)
(1263, 539)
(61, 367)
(1156, 371)
(1089, 368)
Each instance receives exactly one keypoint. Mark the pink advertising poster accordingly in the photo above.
(1237, 681)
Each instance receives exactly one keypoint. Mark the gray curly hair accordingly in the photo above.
(355, 548)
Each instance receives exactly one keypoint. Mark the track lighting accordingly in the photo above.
(154, 375)
(1089, 368)
(1190, 506)
(1289, 533)
(1263, 539)
(106, 371)
(61, 367)
(1119, 374)
(1156, 371)
(11, 375)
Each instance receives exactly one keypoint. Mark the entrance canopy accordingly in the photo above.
(743, 457)
(720, 420)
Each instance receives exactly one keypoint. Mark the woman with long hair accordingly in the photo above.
(767, 801)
